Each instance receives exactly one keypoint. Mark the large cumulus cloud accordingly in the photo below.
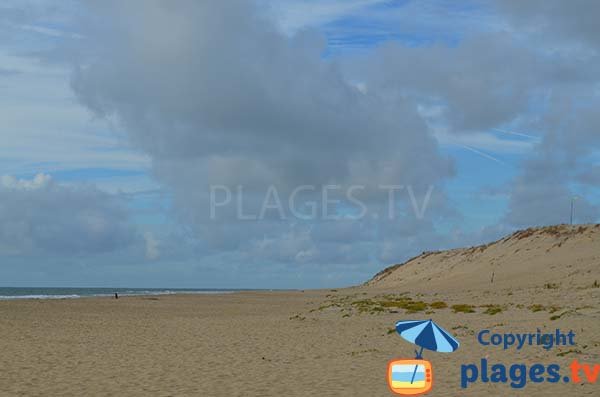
(564, 164)
(536, 72)
(40, 216)
(217, 95)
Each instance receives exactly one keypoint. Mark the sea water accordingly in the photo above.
(72, 293)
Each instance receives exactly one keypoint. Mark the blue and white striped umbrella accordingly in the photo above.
(427, 334)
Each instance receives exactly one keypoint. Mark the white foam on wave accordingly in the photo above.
(121, 293)
(11, 297)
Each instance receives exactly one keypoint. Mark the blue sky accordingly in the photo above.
(117, 119)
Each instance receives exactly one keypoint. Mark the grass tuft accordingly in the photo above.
(492, 310)
(438, 305)
(463, 308)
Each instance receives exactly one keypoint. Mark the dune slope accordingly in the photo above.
(548, 257)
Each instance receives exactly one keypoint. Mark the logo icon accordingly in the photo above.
(410, 377)
(414, 377)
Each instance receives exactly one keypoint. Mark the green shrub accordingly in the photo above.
(493, 310)
(414, 307)
(438, 305)
(463, 308)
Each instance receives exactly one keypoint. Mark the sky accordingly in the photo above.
(289, 143)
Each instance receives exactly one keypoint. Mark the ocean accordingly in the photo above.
(73, 293)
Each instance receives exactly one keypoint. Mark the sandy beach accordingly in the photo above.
(299, 198)
(304, 343)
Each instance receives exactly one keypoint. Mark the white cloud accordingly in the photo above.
(152, 246)
(38, 182)
(42, 216)
(62, 135)
(485, 141)
(295, 15)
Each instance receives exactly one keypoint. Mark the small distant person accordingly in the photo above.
(116, 295)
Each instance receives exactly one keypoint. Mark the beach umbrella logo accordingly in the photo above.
(414, 377)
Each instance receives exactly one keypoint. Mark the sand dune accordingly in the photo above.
(555, 257)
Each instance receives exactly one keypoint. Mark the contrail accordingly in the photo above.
(487, 156)
(517, 134)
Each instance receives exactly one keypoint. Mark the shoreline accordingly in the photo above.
(129, 292)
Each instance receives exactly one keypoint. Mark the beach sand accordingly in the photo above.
(311, 343)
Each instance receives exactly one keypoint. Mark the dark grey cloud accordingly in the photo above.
(559, 20)
(487, 80)
(543, 200)
(471, 83)
(563, 163)
(8, 72)
(41, 216)
(241, 101)
(216, 95)
(590, 175)
(560, 166)
(542, 81)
